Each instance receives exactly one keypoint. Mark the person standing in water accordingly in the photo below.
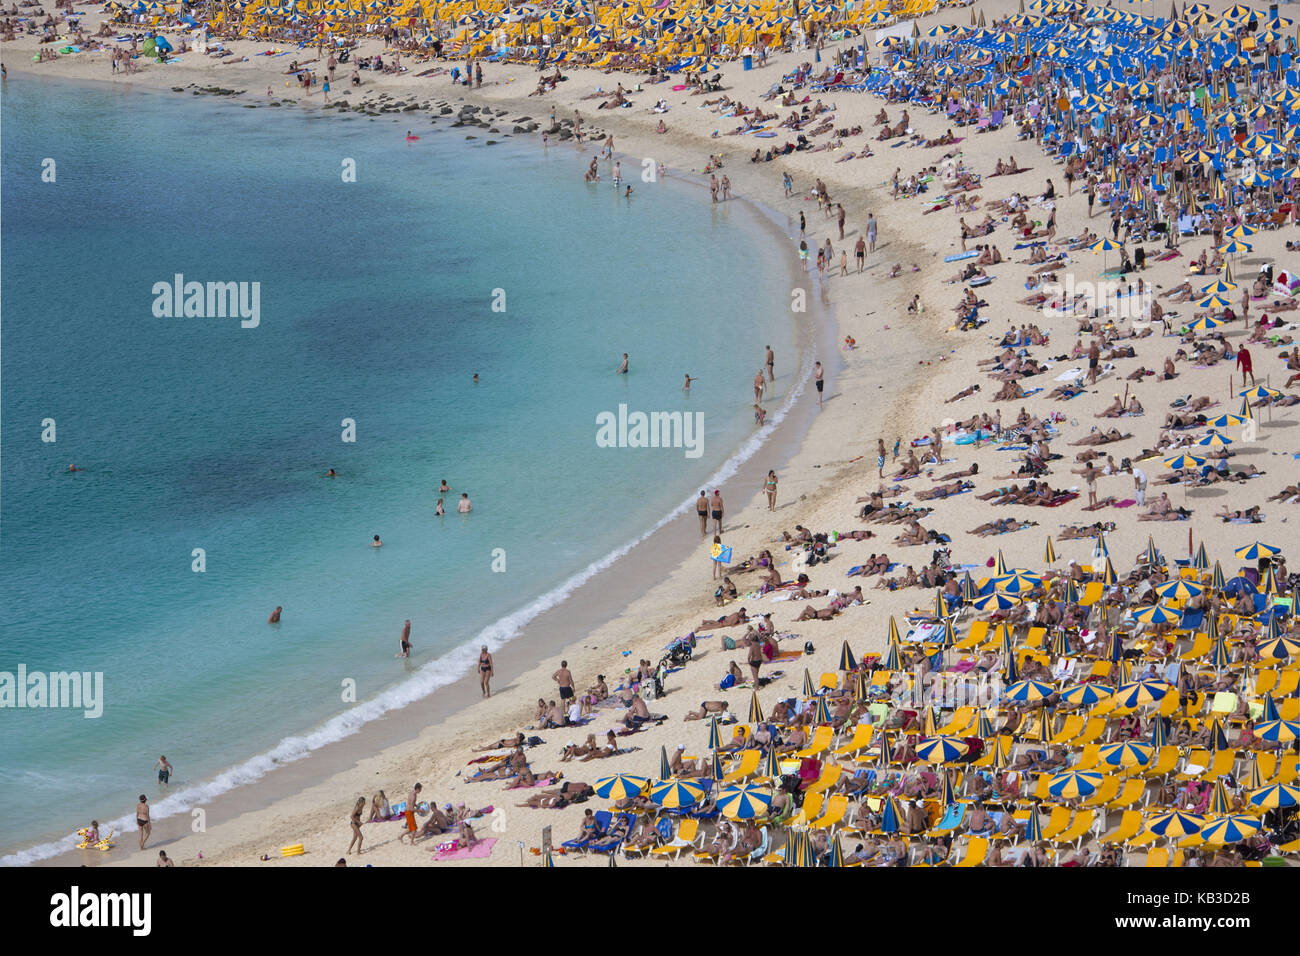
(376, 543)
(770, 362)
(819, 381)
(438, 509)
(759, 385)
(275, 615)
(164, 770)
(404, 642)
(622, 368)
(485, 671)
(702, 509)
(687, 387)
(464, 506)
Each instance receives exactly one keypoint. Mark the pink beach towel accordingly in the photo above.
(480, 851)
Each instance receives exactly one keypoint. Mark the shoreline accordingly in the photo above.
(657, 549)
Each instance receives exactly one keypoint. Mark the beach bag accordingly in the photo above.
(729, 643)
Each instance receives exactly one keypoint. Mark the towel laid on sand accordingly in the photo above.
(479, 851)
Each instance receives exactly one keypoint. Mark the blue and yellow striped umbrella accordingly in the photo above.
(1269, 587)
(1099, 549)
(1159, 732)
(676, 794)
(715, 766)
(772, 764)
(745, 802)
(1049, 552)
(1156, 614)
(1270, 708)
(892, 661)
(1108, 575)
(1074, 783)
(547, 860)
(891, 820)
(1280, 648)
(1127, 754)
(809, 688)
(1010, 672)
(1201, 560)
(1175, 824)
(755, 709)
(1277, 730)
(1033, 826)
(940, 609)
(1000, 565)
(823, 715)
(1028, 691)
(806, 855)
(836, 858)
(1219, 802)
(715, 734)
(1274, 797)
(893, 631)
(1178, 590)
(1218, 738)
(1184, 461)
(1115, 649)
(621, 786)
(1231, 829)
(885, 751)
(1086, 694)
(1143, 692)
(1253, 552)
(665, 768)
(1017, 582)
(985, 726)
(1256, 781)
(1214, 440)
(995, 601)
(949, 791)
(1151, 555)
(791, 856)
(1060, 644)
(847, 660)
(968, 590)
(941, 749)
(1217, 580)
(1071, 592)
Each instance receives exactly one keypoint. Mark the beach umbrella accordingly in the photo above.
(893, 631)
(949, 791)
(715, 766)
(1060, 644)
(1127, 754)
(861, 689)
(930, 726)
(1175, 824)
(823, 716)
(1227, 420)
(836, 859)
(1213, 302)
(1184, 461)
(1218, 286)
(886, 752)
(941, 749)
(1257, 392)
(985, 726)
(1256, 781)
(1104, 245)
(1074, 783)
(1151, 555)
(1253, 552)
(1033, 826)
(1159, 733)
(791, 857)
(1280, 648)
(676, 794)
(1214, 440)
(1205, 323)
(1000, 566)
(1071, 594)
(715, 734)
(1049, 552)
(1270, 588)
(892, 816)
(612, 862)
(755, 709)
(621, 786)
(1275, 797)
(1219, 656)
(1231, 829)
(1086, 694)
(1010, 672)
(1141, 692)
(1217, 581)
(744, 802)
(547, 860)
(949, 637)
(1235, 248)
(847, 663)
(1156, 614)
(1115, 648)
(1178, 590)
(1270, 709)
(968, 590)
(665, 769)
(893, 660)
(1028, 691)
(809, 689)
(1017, 582)
(1200, 561)
(1278, 731)
(1108, 575)
(995, 601)
(1219, 802)
(772, 764)
(939, 610)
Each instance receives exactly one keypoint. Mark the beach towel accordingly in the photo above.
(481, 850)
(958, 256)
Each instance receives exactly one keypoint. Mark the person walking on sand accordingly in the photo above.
(769, 486)
(355, 822)
(1094, 356)
(871, 233)
(880, 457)
(716, 510)
(404, 642)
(819, 381)
(755, 657)
(1245, 363)
(142, 821)
(841, 217)
(564, 679)
(411, 799)
(485, 671)
(702, 510)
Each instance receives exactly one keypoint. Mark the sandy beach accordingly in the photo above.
(893, 387)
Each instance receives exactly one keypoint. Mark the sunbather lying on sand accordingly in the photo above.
(727, 620)
(1001, 526)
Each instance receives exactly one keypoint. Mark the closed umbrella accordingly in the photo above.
(755, 709)
(1049, 552)
(665, 768)
(836, 859)
(823, 715)
(809, 689)
(1000, 565)
(1219, 803)
(1033, 827)
(1159, 732)
(715, 734)
(893, 630)
(1256, 781)
(847, 661)
(968, 589)
(892, 817)
(1218, 739)
(1071, 593)
(1151, 555)
(1201, 560)
(1270, 708)
(1060, 644)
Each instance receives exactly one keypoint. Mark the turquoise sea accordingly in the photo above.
(376, 305)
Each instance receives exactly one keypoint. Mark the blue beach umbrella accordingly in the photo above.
(1178, 590)
(1279, 648)
(891, 818)
(715, 734)
(847, 661)
(1156, 614)
(995, 601)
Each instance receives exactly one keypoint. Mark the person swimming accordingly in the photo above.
(622, 369)
(376, 543)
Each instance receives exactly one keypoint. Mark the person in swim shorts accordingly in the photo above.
(164, 770)
(702, 509)
(411, 799)
(818, 381)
